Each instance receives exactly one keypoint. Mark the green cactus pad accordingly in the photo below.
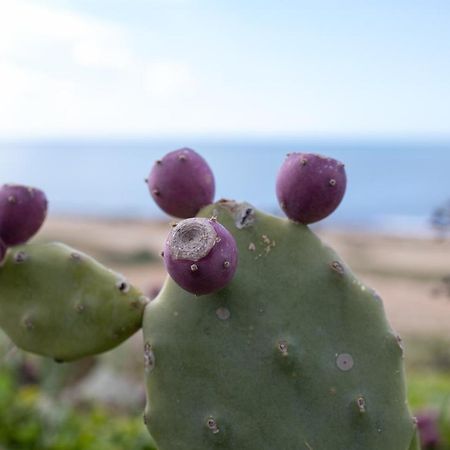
(294, 354)
(415, 443)
(58, 302)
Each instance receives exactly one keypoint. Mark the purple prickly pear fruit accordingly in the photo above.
(200, 255)
(22, 212)
(181, 183)
(427, 422)
(310, 187)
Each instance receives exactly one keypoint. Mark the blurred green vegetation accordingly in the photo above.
(428, 377)
(35, 415)
(429, 390)
(29, 420)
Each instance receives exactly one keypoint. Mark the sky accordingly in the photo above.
(112, 68)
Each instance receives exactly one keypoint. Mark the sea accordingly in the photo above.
(392, 184)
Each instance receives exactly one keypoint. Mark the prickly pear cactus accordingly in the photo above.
(58, 302)
(295, 353)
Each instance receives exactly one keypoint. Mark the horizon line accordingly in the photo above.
(221, 136)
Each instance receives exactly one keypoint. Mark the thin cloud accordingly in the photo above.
(167, 78)
(65, 72)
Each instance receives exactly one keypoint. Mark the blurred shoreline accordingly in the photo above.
(390, 225)
(408, 272)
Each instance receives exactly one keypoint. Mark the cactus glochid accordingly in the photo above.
(284, 350)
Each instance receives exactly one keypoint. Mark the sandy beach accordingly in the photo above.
(407, 272)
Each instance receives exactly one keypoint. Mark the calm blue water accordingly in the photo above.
(390, 183)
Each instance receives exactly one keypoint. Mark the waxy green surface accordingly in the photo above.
(58, 302)
(295, 353)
